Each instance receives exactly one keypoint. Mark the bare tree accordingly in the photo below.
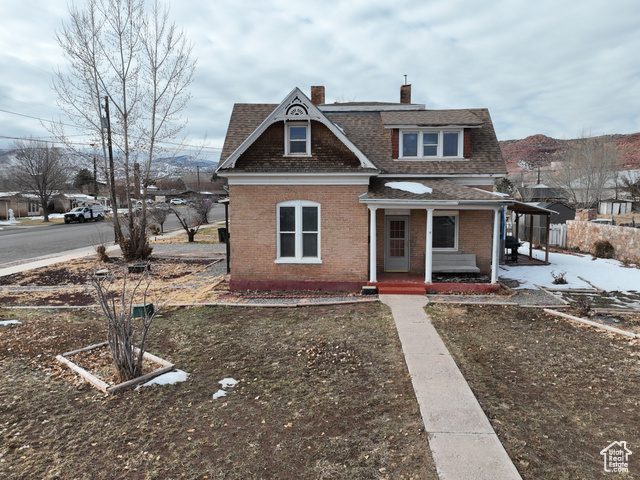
(126, 334)
(159, 214)
(38, 168)
(191, 221)
(588, 165)
(631, 186)
(141, 65)
(202, 206)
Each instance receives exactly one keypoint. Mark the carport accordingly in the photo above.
(521, 208)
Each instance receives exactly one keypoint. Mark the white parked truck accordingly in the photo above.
(82, 214)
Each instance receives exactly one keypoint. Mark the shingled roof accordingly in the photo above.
(371, 132)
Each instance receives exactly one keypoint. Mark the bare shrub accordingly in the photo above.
(559, 278)
(583, 306)
(125, 333)
(603, 249)
(101, 250)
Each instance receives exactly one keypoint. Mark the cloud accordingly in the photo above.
(549, 67)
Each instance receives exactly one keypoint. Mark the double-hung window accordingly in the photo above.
(431, 144)
(297, 141)
(298, 232)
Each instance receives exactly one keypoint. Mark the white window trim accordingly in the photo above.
(299, 259)
(287, 145)
(440, 133)
(457, 217)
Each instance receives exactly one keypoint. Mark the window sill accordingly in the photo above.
(300, 261)
(297, 155)
(430, 159)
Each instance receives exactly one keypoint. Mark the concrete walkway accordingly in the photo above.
(462, 441)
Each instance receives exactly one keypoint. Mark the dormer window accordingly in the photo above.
(297, 139)
(430, 143)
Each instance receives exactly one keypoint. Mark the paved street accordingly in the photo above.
(18, 244)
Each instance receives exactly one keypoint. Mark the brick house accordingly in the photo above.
(311, 183)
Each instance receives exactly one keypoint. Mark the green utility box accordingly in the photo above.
(143, 310)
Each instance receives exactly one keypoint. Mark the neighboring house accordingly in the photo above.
(540, 193)
(332, 196)
(22, 205)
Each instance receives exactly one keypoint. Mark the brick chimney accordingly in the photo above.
(317, 95)
(405, 94)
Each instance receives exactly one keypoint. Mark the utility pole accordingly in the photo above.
(95, 178)
(112, 176)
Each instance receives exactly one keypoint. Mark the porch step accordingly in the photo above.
(401, 290)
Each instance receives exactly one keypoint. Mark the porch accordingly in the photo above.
(413, 284)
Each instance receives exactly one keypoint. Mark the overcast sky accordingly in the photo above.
(555, 67)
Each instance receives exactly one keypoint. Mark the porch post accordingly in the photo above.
(495, 256)
(373, 278)
(428, 257)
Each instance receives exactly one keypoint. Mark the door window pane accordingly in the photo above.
(396, 238)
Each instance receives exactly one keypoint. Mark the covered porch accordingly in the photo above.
(420, 228)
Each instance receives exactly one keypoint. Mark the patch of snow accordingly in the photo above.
(411, 187)
(219, 393)
(606, 274)
(10, 322)
(225, 383)
(168, 378)
(228, 382)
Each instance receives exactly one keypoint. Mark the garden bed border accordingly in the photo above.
(104, 386)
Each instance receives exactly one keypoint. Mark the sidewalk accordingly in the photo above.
(462, 441)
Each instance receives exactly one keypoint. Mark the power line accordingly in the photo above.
(36, 118)
(185, 146)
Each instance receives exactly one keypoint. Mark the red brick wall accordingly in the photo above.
(395, 143)
(344, 232)
(475, 236)
(467, 143)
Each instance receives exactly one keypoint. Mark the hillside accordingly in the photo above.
(516, 152)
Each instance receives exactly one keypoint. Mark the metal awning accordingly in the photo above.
(522, 208)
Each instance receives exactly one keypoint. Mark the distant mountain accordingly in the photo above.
(187, 161)
(4, 156)
(519, 152)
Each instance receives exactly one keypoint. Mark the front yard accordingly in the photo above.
(556, 393)
(323, 392)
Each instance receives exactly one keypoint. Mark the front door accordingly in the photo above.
(396, 250)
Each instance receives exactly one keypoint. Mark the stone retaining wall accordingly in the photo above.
(625, 240)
